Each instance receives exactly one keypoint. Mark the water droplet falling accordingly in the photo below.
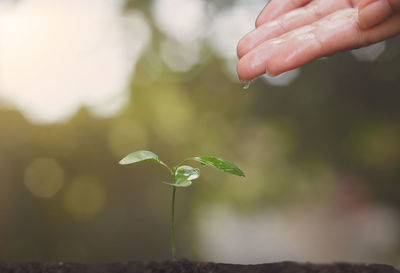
(246, 85)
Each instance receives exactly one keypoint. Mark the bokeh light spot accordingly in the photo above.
(379, 146)
(44, 177)
(179, 57)
(84, 197)
(188, 20)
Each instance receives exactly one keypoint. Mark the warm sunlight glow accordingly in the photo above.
(59, 55)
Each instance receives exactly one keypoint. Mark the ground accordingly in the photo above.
(185, 266)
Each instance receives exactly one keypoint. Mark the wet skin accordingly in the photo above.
(291, 33)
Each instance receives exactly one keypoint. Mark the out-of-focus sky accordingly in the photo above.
(53, 53)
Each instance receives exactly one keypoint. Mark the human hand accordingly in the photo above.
(291, 33)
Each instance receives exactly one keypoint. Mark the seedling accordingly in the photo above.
(182, 176)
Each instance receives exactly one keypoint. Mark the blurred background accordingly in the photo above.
(85, 82)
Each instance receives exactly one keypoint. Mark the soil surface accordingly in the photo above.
(185, 266)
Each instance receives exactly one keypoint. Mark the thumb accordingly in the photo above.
(373, 12)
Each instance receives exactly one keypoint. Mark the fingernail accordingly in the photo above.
(373, 12)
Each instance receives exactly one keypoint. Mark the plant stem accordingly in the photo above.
(173, 224)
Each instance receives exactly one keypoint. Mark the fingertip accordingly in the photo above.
(259, 21)
(268, 13)
(264, 17)
(373, 12)
(241, 48)
(243, 71)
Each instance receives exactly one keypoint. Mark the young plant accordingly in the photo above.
(182, 176)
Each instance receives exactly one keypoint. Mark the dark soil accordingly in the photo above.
(184, 266)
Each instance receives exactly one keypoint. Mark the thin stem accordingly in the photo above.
(173, 224)
(187, 159)
(166, 166)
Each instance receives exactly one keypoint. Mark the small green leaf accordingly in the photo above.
(184, 175)
(219, 163)
(140, 156)
(182, 184)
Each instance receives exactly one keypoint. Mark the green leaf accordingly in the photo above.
(140, 156)
(219, 163)
(184, 175)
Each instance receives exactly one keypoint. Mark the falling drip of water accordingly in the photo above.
(246, 85)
